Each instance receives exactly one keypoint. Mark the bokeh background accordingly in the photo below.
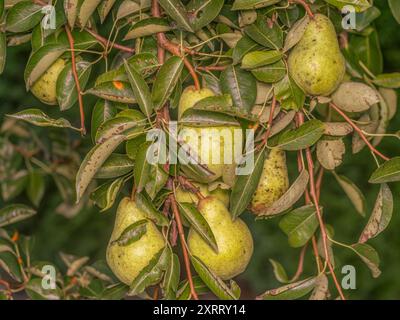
(87, 233)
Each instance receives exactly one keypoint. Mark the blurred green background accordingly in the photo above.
(87, 233)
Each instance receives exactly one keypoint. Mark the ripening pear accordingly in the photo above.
(273, 183)
(126, 261)
(45, 87)
(208, 143)
(234, 240)
(316, 63)
(190, 96)
(189, 197)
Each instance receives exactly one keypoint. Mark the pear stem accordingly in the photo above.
(359, 131)
(183, 244)
(310, 162)
(76, 78)
(305, 6)
(173, 48)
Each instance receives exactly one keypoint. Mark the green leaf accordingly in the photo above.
(35, 291)
(14, 185)
(9, 263)
(152, 273)
(36, 187)
(257, 59)
(177, 11)
(115, 166)
(171, 278)
(104, 8)
(244, 46)
(41, 60)
(289, 198)
(3, 51)
(140, 90)
(353, 193)
(132, 233)
(279, 271)
(158, 178)
(86, 10)
(295, 33)
(102, 111)
(364, 19)
(116, 91)
(147, 27)
(303, 137)
(39, 118)
(369, 256)
(289, 94)
(183, 292)
(201, 13)
(104, 196)
(300, 225)
(388, 80)
(115, 292)
(290, 291)
(23, 16)
(199, 223)
(359, 5)
(67, 94)
(381, 214)
(216, 285)
(268, 37)
(166, 79)
(270, 73)
(93, 161)
(148, 207)
(387, 172)
(245, 185)
(395, 8)
(206, 117)
(252, 4)
(241, 85)
(15, 213)
(142, 167)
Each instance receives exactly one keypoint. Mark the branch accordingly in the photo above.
(183, 244)
(301, 263)
(305, 6)
(76, 77)
(359, 131)
(211, 68)
(105, 42)
(315, 200)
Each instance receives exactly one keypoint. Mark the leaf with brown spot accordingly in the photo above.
(330, 153)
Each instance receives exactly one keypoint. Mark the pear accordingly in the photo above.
(274, 181)
(190, 96)
(189, 197)
(127, 261)
(316, 63)
(45, 87)
(234, 240)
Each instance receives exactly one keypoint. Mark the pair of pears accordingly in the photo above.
(234, 240)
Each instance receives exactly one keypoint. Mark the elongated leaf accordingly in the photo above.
(104, 8)
(289, 198)
(321, 290)
(201, 13)
(116, 91)
(131, 233)
(142, 167)
(257, 59)
(252, 4)
(268, 37)
(93, 161)
(147, 206)
(3, 51)
(359, 5)
(147, 27)
(36, 187)
(102, 111)
(245, 185)
(116, 165)
(369, 256)
(204, 118)
(71, 11)
(35, 291)
(199, 223)
(104, 196)
(289, 94)
(270, 73)
(166, 79)
(86, 10)
(14, 213)
(296, 33)
(171, 278)
(243, 46)
(177, 11)
(303, 137)
(158, 178)
(290, 291)
(388, 172)
(23, 16)
(380, 216)
(395, 8)
(140, 90)
(300, 225)
(216, 285)
(388, 80)
(279, 271)
(353, 192)
(39, 118)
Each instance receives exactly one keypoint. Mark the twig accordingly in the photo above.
(76, 77)
(314, 197)
(305, 6)
(173, 48)
(187, 185)
(211, 68)
(359, 131)
(183, 244)
(105, 42)
(301, 263)
(271, 118)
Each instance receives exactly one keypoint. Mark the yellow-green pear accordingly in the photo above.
(274, 181)
(45, 87)
(316, 63)
(189, 197)
(126, 261)
(190, 96)
(234, 240)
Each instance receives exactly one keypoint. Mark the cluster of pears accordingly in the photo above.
(316, 63)
(45, 87)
